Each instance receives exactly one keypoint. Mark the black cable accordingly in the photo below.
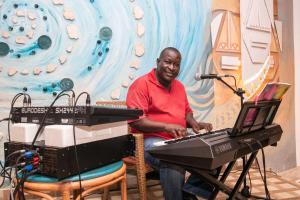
(264, 179)
(15, 98)
(5, 119)
(74, 137)
(10, 168)
(20, 181)
(4, 172)
(268, 197)
(264, 168)
(228, 75)
(62, 93)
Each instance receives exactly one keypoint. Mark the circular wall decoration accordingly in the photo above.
(44, 42)
(105, 33)
(66, 84)
(4, 49)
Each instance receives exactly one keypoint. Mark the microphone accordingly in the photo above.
(209, 76)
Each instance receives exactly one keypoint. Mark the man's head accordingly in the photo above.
(168, 65)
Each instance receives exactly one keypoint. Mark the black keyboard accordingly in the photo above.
(204, 136)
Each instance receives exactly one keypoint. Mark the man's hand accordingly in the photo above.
(149, 126)
(176, 130)
(197, 126)
(207, 126)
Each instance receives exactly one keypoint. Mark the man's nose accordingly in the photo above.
(171, 66)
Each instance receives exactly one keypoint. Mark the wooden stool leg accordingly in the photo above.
(124, 188)
(140, 167)
(105, 193)
(141, 180)
(76, 193)
(66, 195)
(5, 194)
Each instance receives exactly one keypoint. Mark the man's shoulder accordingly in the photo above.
(178, 83)
(140, 81)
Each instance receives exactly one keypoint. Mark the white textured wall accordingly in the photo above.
(283, 157)
(296, 25)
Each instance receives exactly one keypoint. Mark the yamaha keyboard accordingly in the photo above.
(215, 149)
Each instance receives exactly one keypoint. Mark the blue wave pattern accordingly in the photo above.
(100, 66)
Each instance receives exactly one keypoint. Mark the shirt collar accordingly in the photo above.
(153, 79)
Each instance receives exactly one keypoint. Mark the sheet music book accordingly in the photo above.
(273, 91)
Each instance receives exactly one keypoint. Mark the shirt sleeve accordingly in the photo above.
(138, 97)
(187, 105)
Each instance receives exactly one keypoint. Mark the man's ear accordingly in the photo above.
(157, 61)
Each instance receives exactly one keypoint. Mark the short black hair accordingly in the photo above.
(169, 49)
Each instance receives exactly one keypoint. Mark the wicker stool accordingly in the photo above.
(91, 181)
(137, 162)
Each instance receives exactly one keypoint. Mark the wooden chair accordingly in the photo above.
(92, 180)
(136, 162)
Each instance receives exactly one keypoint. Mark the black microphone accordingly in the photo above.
(209, 76)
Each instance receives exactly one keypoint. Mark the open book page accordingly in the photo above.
(273, 91)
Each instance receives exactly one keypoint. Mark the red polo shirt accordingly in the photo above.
(159, 103)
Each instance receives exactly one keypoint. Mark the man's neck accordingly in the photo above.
(166, 84)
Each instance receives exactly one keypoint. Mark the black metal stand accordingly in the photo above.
(219, 184)
(240, 92)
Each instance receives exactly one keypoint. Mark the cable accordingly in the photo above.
(21, 181)
(31, 167)
(15, 98)
(74, 137)
(268, 197)
(5, 119)
(46, 114)
(4, 172)
(28, 160)
(228, 75)
(264, 167)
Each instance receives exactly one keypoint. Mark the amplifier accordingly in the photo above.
(60, 162)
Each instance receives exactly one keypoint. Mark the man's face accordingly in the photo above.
(168, 66)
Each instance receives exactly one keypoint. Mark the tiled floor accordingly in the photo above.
(280, 188)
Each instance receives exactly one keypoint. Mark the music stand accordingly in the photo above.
(254, 116)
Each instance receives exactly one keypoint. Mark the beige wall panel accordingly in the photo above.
(228, 38)
(230, 5)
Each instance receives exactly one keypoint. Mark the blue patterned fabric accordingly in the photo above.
(102, 171)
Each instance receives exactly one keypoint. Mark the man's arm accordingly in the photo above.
(197, 126)
(146, 125)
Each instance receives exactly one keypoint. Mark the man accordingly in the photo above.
(166, 116)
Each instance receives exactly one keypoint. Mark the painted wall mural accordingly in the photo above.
(102, 46)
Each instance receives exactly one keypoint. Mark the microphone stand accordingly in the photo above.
(239, 92)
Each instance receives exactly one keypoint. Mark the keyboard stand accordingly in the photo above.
(219, 183)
